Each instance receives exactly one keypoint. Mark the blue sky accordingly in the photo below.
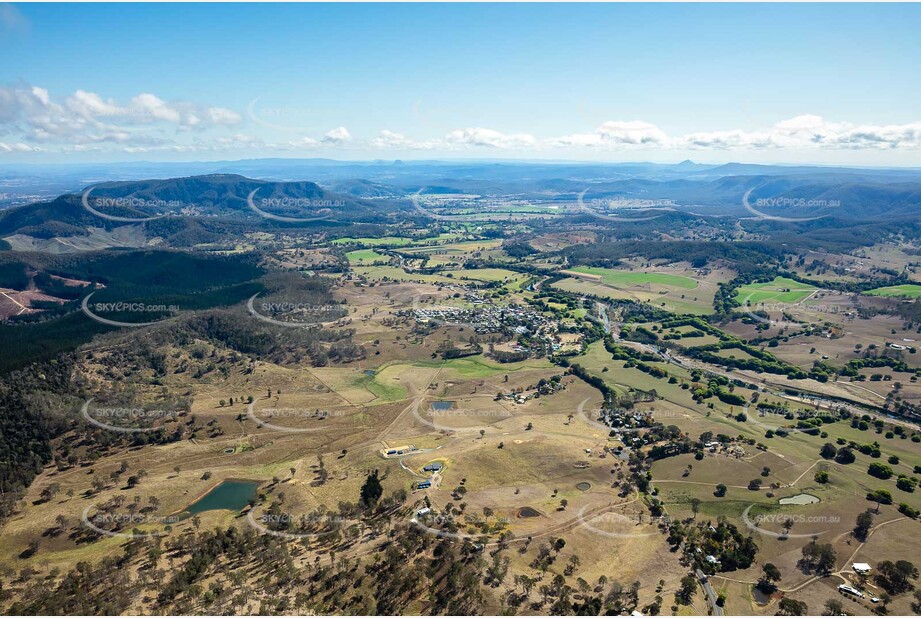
(815, 83)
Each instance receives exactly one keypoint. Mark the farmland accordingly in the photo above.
(552, 414)
(909, 290)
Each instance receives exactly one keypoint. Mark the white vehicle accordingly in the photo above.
(844, 588)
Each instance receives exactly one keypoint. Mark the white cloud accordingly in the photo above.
(616, 133)
(32, 119)
(478, 136)
(18, 147)
(390, 140)
(223, 116)
(338, 135)
(31, 114)
(806, 132)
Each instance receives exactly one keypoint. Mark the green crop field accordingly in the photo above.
(781, 290)
(386, 241)
(365, 256)
(627, 278)
(909, 290)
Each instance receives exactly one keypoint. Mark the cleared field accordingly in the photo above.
(909, 290)
(622, 278)
(696, 300)
(780, 290)
(386, 241)
(394, 273)
(365, 256)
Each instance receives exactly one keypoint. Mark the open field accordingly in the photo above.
(627, 279)
(780, 290)
(466, 384)
(365, 256)
(908, 290)
(678, 292)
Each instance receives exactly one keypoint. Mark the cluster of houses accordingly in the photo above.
(484, 318)
(432, 468)
(547, 388)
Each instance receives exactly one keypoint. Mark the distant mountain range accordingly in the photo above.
(208, 207)
(178, 210)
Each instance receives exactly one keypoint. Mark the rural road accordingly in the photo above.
(711, 594)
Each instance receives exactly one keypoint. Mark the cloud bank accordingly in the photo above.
(33, 121)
